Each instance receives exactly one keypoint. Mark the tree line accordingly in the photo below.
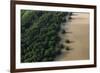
(39, 35)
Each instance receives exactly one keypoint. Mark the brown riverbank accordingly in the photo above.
(79, 28)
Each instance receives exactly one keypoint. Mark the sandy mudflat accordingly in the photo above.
(79, 28)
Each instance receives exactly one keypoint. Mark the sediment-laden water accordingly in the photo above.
(78, 27)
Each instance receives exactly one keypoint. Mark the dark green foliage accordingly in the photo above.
(68, 48)
(61, 46)
(63, 31)
(39, 35)
(68, 41)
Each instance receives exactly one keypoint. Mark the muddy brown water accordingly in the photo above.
(79, 28)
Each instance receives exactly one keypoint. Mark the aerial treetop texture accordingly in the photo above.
(39, 35)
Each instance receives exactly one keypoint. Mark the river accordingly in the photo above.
(78, 27)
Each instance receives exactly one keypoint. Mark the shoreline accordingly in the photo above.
(79, 26)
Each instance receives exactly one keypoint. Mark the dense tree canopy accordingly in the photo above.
(39, 35)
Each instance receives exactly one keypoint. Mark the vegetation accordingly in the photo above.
(63, 31)
(68, 48)
(39, 35)
(68, 41)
